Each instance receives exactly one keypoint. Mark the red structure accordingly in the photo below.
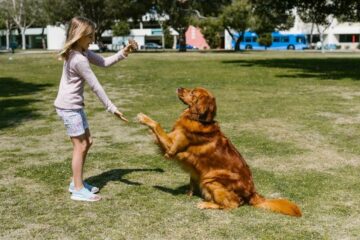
(195, 38)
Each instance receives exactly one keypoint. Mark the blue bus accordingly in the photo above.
(280, 41)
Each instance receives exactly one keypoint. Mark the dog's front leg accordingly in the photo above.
(179, 143)
(172, 143)
(164, 140)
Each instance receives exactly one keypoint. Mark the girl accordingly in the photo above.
(69, 102)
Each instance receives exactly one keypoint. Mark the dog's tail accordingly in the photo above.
(276, 205)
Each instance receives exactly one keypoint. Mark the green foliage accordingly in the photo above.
(102, 12)
(212, 28)
(316, 12)
(260, 16)
(238, 16)
(270, 15)
(3, 18)
(347, 10)
(169, 39)
(182, 12)
(121, 28)
(265, 39)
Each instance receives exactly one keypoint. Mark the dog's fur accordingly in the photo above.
(214, 164)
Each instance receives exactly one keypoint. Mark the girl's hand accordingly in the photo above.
(132, 46)
(120, 115)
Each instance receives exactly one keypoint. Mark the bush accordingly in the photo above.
(265, 40)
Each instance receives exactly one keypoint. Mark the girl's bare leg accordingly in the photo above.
(81, 146)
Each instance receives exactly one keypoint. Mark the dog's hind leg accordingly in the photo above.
(220, 196)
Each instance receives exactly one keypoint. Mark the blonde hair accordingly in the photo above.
(78, 27)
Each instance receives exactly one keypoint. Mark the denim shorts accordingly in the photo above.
(74, 121)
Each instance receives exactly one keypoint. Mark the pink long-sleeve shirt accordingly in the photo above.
(77, 71)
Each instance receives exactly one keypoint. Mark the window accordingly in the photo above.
(300, 39)
(284, 39)
(315, 38)
(254, 39)
(276, 39)
(348, 38)
(248, 39)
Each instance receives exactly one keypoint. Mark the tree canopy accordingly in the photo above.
(103, 12)
(182, 12)
(262, 16)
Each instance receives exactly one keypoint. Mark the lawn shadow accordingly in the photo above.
(321, 68)
(118, 175)
(15, 110)
(181, 190)
(10, 87)
(177, 191)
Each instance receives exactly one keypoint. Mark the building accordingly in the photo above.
(35, 38)
(337, 35)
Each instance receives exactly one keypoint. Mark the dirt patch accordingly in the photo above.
(319, 155)
(341, 119)
(346, 93)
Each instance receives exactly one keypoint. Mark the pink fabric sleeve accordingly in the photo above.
(84, 70)
(101, 61)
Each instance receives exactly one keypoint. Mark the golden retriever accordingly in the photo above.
(215, 166)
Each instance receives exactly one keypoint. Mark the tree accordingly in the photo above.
(261, 16)
(320, 13)
(347, 10)
(265, 40)
(23, 13)
(7, 24)
(105, 13)
(238, 17)
(121, 28)
(182, 12)
(270, 15)
(211, 29)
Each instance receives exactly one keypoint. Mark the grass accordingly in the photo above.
(294, 116)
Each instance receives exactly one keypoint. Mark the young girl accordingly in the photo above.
(69, 102)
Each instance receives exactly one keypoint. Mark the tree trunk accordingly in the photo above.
(8, 31)
(43, 38)
(321, 39)
(162, 33)
(7, 39)
(322, 42)
(182, 40)
(238, 41)
(311, 35)
(23, 38)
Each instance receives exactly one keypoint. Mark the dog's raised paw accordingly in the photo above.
(142, 118)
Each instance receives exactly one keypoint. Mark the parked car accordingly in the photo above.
(151, 45)
(188, 46)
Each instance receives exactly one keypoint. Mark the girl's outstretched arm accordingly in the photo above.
(83, 69)
(101, 61)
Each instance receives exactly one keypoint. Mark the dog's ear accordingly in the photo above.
(206, 108)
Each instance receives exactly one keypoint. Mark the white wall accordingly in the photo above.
(56, 37)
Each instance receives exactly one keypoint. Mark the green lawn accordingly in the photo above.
(294, 116)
